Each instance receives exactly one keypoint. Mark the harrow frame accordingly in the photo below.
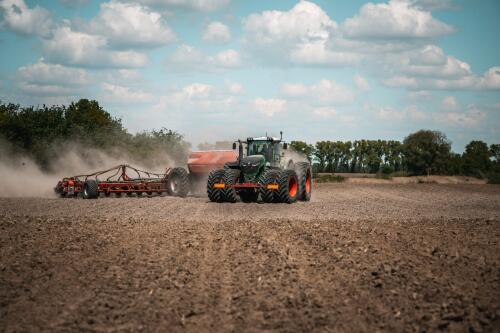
(116, 180)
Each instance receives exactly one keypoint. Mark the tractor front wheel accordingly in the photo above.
(288, 186)
(269, 177)
(214, 189)
(230, 178)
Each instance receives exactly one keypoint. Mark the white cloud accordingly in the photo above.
(121, 94)
(73, 3)
(361, 83)
(491, 79)
(216, 32)
(131, 25)
(389, 113)
(469, 119)
(42, 73)
(397, 19)
(189, 58)
(294, 89)
(325, 111)
(83, 49)
(16, 16)
(449, 103)
(299, 36)
(269, 107)
(234, 88)
(415, 114)
(324, 92)
(200, 5)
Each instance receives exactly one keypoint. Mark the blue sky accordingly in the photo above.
(222, 69)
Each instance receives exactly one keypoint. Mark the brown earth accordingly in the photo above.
(358, 258)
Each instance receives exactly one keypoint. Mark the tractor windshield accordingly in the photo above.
(264, 148)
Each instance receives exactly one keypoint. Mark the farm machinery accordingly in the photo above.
(260, 168)
(265, 171)
(125, 179)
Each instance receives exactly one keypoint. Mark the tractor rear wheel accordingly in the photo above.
(288, 186)
(215, 194)
(90, 189)
(304, 175)
(230, 178)
(269, 176)
(178, 182)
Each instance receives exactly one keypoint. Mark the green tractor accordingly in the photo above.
(263, 171)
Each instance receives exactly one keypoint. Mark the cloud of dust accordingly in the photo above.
(295, 156)
(22, 177)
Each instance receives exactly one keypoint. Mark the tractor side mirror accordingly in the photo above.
(285, 146)
(234, 145)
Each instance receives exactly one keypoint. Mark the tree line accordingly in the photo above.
(422, 152)
(43, 133)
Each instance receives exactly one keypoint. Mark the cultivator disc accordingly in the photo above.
(125, 179)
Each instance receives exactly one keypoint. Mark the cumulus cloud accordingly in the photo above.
(189, 58)
(198, 5)
(431, 5)
(122, 94)
(323, 92)
(298, 36)
(270, 107)
(131, 25)
(82, 49)
(42, 73)
(389, 113)
(216, 32)
(470, 118)
(44, 79)
(16, 16)
(398, 19)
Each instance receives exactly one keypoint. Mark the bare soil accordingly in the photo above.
(357, 258)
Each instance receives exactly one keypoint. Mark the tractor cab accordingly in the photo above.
(267, 147)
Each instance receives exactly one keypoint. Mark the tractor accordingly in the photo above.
(263, 171)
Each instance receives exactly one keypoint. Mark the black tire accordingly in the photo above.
(230, 178)
(288, 186)
(215, 177)
(178, 182)
(269, 176)
(304, 175)
(250, 195)
(90, 189)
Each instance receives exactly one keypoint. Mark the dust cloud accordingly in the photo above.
(22, 177)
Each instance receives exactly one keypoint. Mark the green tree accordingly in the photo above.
(426, 151)
(303, 148)
(476, 159)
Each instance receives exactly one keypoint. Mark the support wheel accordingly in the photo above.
(304, 175)
(178, 182)
(215, 177)
(288, 186)
(90, 189)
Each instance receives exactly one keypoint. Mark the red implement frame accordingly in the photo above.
(116, 180)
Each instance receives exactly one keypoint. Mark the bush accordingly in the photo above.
(329, 178)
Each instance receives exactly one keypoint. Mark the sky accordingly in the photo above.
(227, 69)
